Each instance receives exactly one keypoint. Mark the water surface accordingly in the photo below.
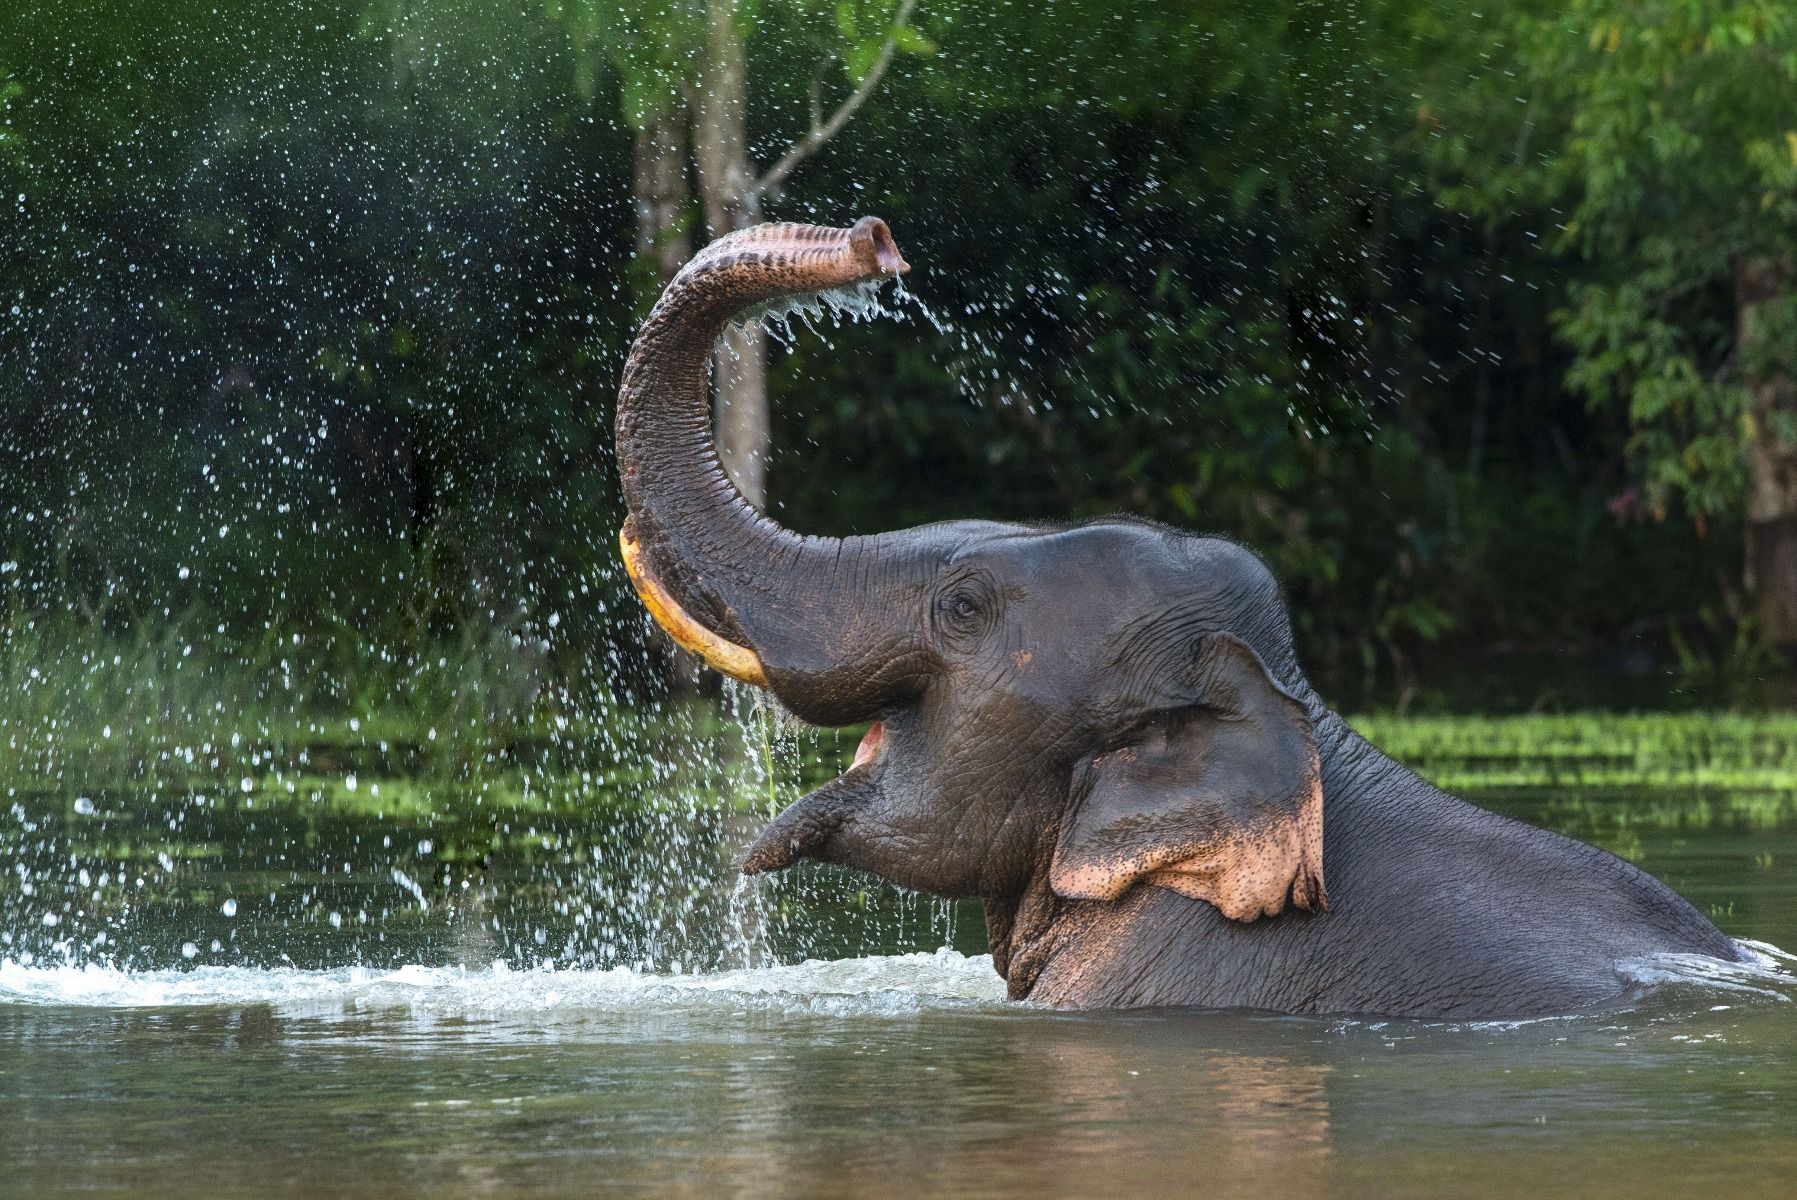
(890, 1075)
(561, 998)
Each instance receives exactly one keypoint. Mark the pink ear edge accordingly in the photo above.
(1091, 881)
(1254, 873)
(1258, 872)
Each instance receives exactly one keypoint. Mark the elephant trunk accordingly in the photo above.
(754, 599)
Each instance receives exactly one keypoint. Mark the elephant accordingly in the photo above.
(1100, 730)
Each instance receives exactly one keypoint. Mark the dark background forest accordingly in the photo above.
(1477, 325)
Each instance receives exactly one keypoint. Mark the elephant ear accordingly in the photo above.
(1221, 801)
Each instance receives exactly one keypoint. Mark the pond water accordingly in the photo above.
(318, 998)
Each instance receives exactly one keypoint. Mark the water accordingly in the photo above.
(466, 1028)
(877, 1076)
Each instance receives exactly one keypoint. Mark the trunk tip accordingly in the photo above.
(872, 242)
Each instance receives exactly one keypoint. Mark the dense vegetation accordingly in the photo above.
(1479, 326)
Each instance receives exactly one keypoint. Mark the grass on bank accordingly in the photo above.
(1608, 750)
(351, 722)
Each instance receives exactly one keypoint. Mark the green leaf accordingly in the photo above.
(910, 41)
(845, 21)
(861, 59)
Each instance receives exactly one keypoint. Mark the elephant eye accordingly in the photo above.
(1159, 724)
(963, 611)
(1166, 721)
(959, 610)
(964, 607)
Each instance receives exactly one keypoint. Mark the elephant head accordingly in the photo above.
(1093, 705)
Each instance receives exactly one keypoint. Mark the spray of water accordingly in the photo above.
(518, 823)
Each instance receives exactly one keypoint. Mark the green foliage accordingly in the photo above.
(651, 48)
(867, 28)
(1347, 290)
(1736, 753)
(1664, 132)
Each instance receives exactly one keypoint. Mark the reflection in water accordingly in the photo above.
(1279, 1114)
(900, 1075)
(1243, 1117)
(403, 1061)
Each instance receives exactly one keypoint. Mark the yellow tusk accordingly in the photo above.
(738, 662)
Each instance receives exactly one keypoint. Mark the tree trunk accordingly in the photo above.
(1762, 303)
(663, 245)
(661, 194)
(730, 202)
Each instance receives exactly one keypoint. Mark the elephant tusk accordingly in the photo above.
(738, 662)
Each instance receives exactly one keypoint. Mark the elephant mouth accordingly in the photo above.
(870, 745)
(807, 826)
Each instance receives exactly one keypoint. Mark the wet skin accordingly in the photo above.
(1102, 732)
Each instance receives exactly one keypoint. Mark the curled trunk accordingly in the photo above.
(755, 599)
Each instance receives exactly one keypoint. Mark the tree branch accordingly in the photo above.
(822, 132)
(817, 88)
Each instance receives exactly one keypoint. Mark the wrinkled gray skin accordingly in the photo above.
(1013, 666)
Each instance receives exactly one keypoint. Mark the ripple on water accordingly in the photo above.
(872, 986)
(891, 985)
(1765, 970)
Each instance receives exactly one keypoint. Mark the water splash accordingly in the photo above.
(811, 911)
(891, 985)
(851, 302)
(905, 295)
(1766, 972)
